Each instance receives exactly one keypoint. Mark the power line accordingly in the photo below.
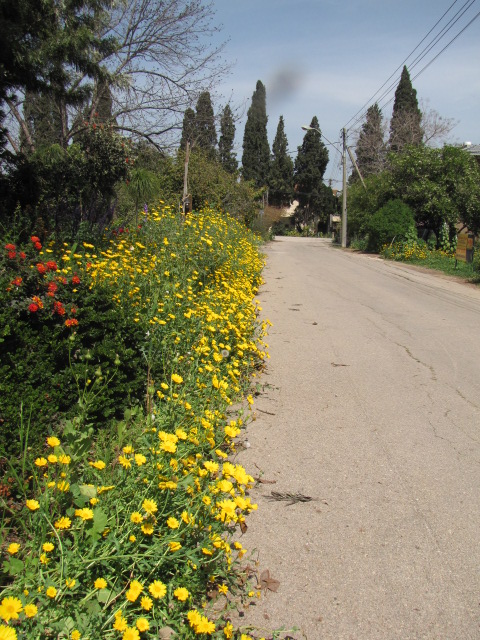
(453, 20)
(400, 66)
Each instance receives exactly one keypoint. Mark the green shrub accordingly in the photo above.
(391, 222)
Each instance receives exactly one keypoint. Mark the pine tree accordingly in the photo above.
(280, 180)
(256, 150)
(206, 134)
(310, 166)
(228, 159)
(405, 126)
(370, 149)
(188, 128)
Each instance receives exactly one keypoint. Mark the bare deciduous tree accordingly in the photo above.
(162, 62)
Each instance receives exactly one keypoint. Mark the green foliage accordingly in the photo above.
(45, 365)
(405, 126)
(315, 199)
(205, 132)
(227, 156)
(65, 187)
(188, 128)
(130, 527)
(256, 150)
(370, 149)
(280, 181)
(363, 203)
(390, 222)
(440, 185)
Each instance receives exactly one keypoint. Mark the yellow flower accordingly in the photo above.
(142, 624)
(157, 589)
(100, 583)
(63, 523)
(181, 594)
(63, 459)
(84, 514)
(128, 449)
(132, 538)
(174, 546)
(98, 464)
(140, 459)
(70, 583)
(147, 528)
(76, 635)
(41, 462)
(228, 630)
(136, 517)
(7, 633)
(173, 523)
(146, 603)
(131, 634)
(10, 608)
(13, 548)
(52, 458)
(44, 559)
(207, 552)
(150, 506)
(30, 610)
(52, 441)
(168, 446)
(125, 462)
(120, 623)
(223, 588)
(176, 378)
(33, 505)
(51, 592)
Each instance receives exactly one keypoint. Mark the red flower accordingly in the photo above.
(75, 279)
(38, 245)
(17, 282)
(41, 268)
(38, 302)
(35, 239)
(71, 322)
(12, 255)
(73, 311)
(22, 255)
(10, 247)
(52, 265)
(58, 308)
(52, 286)
(33, 308)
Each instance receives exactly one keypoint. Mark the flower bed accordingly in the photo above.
(123, 529)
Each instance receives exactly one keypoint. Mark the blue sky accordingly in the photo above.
(327, 58)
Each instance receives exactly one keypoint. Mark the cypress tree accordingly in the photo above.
(405, 126)
(370, 149)
(310, 165)
(188, 128)
(206, 134)
(281, 169)
(256, 150)
(228, 159)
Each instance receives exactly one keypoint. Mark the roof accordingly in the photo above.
(473, 149)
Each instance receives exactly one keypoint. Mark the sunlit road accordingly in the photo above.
(371, 406)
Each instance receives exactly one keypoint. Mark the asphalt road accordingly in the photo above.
(370, 405)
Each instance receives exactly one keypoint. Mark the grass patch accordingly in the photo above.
(420, 254)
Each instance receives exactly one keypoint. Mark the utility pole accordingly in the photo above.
(344, 189)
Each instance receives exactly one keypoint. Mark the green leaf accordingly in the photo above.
(13, 566)
(100, 520)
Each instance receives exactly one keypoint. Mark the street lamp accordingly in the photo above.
(344, 181)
